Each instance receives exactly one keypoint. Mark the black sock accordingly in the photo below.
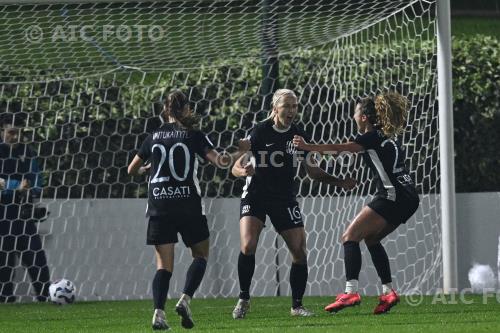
(194, 275)
(246, 267)
(352, 260)
(161, 283)
(298, 283)
(381, 262)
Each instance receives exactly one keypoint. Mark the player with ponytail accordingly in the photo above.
(174, 199)
(379, 120)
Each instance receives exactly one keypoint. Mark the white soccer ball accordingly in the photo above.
(62, 292)
(482, 278)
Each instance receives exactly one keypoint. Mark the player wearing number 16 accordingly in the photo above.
(379, 121)
(174, 199)
(270, 190)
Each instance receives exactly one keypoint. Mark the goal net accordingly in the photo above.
(89, 79)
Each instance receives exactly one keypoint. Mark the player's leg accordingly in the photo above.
(295, 240)
(194, 276)
(196, 270)
(379, 257)
(393, 213)
(250, 229)
(389, 297)
(366, 224)
(161, 281)
(162, 234)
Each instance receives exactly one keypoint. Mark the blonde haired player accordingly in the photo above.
(379, 121)
(270, 190)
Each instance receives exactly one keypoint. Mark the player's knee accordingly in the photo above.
(370, 241)
(350, 236)
(248, 248)
(300, 259)
(166, 266)
(200, 255)
(299, 255)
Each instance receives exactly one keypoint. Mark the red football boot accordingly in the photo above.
(343, 301)
(386, 302)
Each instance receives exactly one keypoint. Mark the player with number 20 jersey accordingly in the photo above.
(174, 200)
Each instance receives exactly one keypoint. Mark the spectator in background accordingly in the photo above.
(20, 183)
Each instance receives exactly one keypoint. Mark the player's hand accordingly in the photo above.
(299, 142)
(244, 145)
(249, 169)
(25, 185)
(144, 169)
(2, 183)
(348, 183)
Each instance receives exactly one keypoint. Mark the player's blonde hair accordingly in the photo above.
(392, 111)
(387, 111)
(278, 95)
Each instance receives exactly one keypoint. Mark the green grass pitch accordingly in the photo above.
(268, 314)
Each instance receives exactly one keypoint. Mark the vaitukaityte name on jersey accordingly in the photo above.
(170, 135)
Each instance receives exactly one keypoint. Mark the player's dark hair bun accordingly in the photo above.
(368, 108)
(177, 106)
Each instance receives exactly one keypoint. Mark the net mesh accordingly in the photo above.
(89, 79)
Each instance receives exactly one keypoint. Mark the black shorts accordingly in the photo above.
(164, 229)
(395, 212)
(283, 214)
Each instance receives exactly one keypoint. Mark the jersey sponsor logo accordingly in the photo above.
(245, 209)
(290, 148)
(405, 180)
(171, 192)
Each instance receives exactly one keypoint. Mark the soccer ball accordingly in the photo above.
(62, 292)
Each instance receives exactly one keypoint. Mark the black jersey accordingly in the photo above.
(386, 160)
(173, 180)
(275, 159)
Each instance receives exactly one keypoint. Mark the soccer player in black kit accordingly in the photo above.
(174, 204)
(379, 121)
(270, 190)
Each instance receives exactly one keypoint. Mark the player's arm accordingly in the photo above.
(136, 167)
(331, 149)
(316, 173)
(243, 167)
(225, 160)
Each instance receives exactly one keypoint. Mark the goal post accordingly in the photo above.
(447, 155)
(89, 78)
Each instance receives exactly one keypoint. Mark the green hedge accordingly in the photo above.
(476, 93)
(87, 130)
